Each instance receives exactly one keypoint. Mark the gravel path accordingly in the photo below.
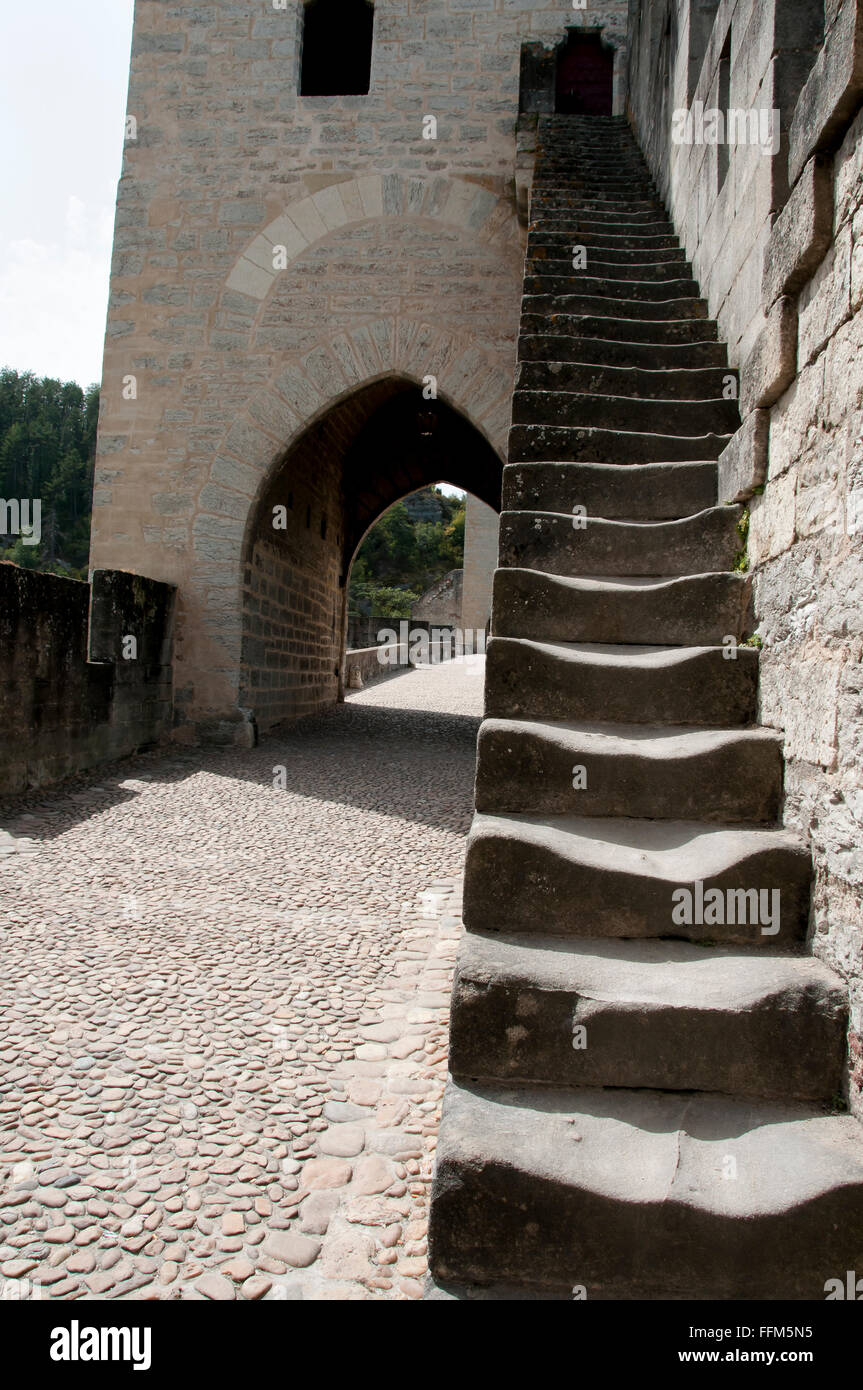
(223, 1008)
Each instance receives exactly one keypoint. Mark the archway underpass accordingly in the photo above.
(373, 448)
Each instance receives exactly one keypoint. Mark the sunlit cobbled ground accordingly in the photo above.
(224, 1008)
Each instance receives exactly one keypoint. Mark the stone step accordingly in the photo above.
(720, 776)
(583, 203)
(656, 312)
(590, 154)
(661, 334)
(700, 610)
(567, 444)
(583, 283)
(645, 1195)
(644, 384)
(630, 413)
(658, 1015)
(558, 246)
(600, 224)
(566, 544)
(541, 268)
(587, 348)
(625, 192)
(551, 167)
(646, 492)
(554, 169)
(581, 877)
(621, 683)
(642, 248)
(618, 220)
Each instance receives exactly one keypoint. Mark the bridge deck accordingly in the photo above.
(224, 1013)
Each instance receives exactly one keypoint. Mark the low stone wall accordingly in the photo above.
(367, 665)
(85, 673)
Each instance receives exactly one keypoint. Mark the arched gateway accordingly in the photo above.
(381, 442)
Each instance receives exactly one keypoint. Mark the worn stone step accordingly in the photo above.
(555, 171)
(646, 492)
(565, 544)
(619, 308)
(620, 878)
(630, 413)
(644, 384)
(619, 221)
(665, 1016)
(540, 767)
(541, 269)
(583, 203)
(568, 444)
(645, 1194)
(579, 346)
(624, 193)
(642, 248)
(701, 610)
(623, 684)
(661, 334)
(558, 246)
(599, 225)
(585, 283)
(607, 228)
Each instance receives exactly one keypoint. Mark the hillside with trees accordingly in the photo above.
(414, 543)
(47, 450)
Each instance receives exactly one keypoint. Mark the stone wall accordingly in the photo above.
(722, 199)
(74, 692)
(442, 601)
(798, 457)
(482, 525)
(402, 258)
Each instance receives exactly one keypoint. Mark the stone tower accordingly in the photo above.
(295, 257)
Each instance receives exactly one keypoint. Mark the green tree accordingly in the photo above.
(47, 453)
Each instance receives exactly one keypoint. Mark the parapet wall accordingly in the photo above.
(75, 691)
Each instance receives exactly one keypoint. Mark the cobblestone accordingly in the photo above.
(224, 1007)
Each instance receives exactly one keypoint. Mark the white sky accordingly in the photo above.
(64, 70)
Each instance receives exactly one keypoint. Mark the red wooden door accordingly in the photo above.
(585, 78)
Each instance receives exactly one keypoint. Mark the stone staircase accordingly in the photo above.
(640, 1105)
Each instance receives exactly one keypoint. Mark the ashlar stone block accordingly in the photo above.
(801, 233)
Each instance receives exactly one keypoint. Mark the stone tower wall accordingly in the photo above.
(403, 258)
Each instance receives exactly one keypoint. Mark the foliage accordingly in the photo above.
(47, 450)
(401, 557)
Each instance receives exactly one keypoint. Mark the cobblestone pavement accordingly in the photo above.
(224, 1008)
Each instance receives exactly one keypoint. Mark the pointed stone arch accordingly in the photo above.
(302, 394)
(365, 198)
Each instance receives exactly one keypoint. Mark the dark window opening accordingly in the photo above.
(724, 104)
(585, 76)
(337, 48)
(323, 528)
(308, 516)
